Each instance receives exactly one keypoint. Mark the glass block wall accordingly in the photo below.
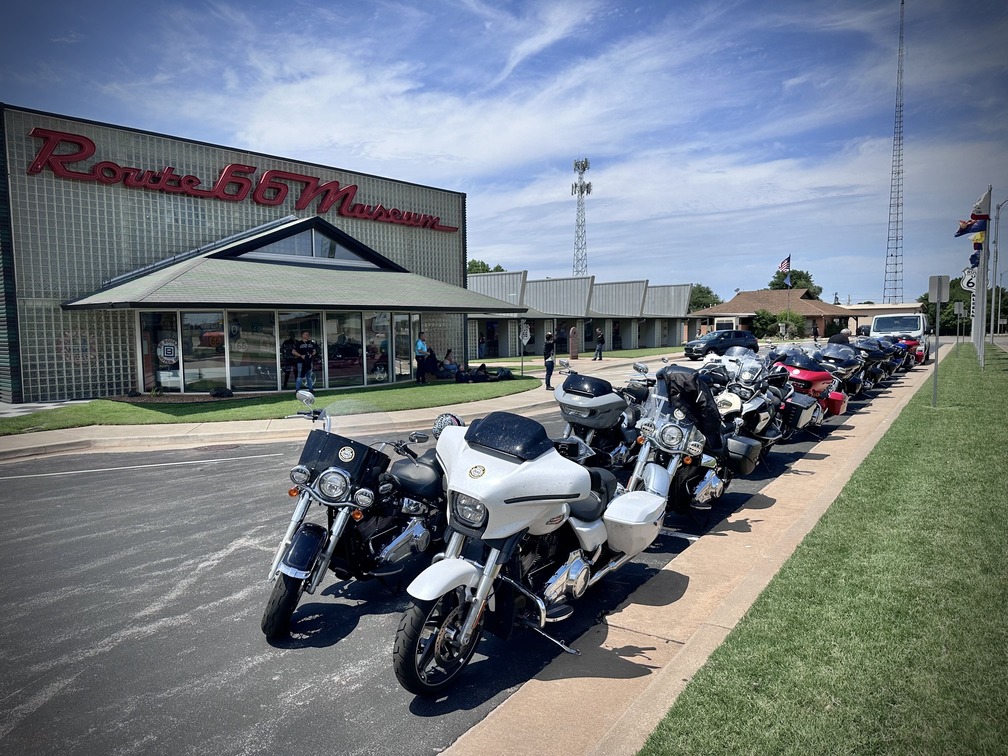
(67, 237)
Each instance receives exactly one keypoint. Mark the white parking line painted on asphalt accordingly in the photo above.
(691, 537)
(138, 467)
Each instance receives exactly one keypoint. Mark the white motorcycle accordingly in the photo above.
(531, 531)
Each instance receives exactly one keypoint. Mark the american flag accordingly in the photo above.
(785, 265)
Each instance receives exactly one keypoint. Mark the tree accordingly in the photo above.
(800, 279)
(764, 324)
(701, 297)
(478, 266)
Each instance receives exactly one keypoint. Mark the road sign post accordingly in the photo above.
(938, 292)
(525, 334)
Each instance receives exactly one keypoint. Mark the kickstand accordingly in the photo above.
(549, 637)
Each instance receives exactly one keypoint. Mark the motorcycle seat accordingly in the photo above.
(421, 480)
(603, 489)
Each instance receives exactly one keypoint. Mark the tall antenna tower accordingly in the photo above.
(894, 248)
(581, 189)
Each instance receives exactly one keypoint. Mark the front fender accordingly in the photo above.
(299, 561)
(442, 577)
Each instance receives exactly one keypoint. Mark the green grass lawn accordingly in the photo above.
(885, 632)
(380, 399)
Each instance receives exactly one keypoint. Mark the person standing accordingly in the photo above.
(305, 352)
(599, 344)
(815, 334)
(549, 350)
(288, 362)
(421, 352)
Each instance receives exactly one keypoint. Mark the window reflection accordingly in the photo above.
(252, 350)
(345, 349)
(203, 350)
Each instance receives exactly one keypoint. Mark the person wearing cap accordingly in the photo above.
(549, 350)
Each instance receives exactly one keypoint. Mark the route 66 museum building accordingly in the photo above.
(134, 261)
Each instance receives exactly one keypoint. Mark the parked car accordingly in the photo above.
(719, 342)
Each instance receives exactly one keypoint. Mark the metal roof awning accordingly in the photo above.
(236, 283)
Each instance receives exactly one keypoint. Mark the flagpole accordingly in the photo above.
(995, 310)
(979, 340)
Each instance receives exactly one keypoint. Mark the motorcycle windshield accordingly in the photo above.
(801, 361)
(750, 372)
(507, 433)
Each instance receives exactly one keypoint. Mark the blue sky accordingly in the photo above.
(723, 136)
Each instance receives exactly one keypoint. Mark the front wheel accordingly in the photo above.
(427, 655)
(282, 602)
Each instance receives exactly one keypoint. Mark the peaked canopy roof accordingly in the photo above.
(301, 263)
(747, 303)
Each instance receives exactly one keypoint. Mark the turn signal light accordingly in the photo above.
(293, 492)
(357, 515)
(687, 460)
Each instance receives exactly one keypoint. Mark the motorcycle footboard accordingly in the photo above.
(308, 543)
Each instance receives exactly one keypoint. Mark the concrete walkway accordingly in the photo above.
(635, 663)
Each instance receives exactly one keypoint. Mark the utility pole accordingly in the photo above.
(894, 247)
(580, 189)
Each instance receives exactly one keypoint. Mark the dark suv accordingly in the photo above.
(719, 342)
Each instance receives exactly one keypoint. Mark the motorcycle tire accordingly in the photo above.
(282, 602)
(424, 659)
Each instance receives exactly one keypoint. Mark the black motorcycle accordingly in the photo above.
(600, 417)
(378, 513)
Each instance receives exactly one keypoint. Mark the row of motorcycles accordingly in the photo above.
(517, 525)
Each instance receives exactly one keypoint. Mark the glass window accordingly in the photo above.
(403, 351)
(203, 350)
(376, 347)
(310, 244)
(252, 350)
(159, 351)
(296, 323)
(345, 357)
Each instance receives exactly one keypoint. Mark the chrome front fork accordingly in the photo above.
(300, 510)
(342, 517)
(491, 570)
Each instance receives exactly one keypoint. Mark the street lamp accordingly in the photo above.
(1000, 296)
(996, 296)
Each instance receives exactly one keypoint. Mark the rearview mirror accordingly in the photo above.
(641, 368)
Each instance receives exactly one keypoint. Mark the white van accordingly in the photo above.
(913, 325)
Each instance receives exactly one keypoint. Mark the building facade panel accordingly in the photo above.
(79, 215)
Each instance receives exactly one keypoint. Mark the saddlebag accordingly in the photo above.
(633, 521)
(836, 402)
(743, 454)
(799, 410)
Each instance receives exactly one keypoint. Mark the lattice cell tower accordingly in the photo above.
(894, 248)
(580, 189)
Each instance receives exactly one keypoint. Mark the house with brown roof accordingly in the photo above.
(738, 313)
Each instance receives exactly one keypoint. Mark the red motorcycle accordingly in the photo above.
(809, 377)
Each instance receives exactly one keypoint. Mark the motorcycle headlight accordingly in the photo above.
(745, 393)
(364, 498)
(575, 411)
(334, 484)
(300, 475)
(670, 436)
(469, 511)
(646, 427)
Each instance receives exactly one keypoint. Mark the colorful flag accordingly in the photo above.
(785, 265)
(971, 227)
(981, 208)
